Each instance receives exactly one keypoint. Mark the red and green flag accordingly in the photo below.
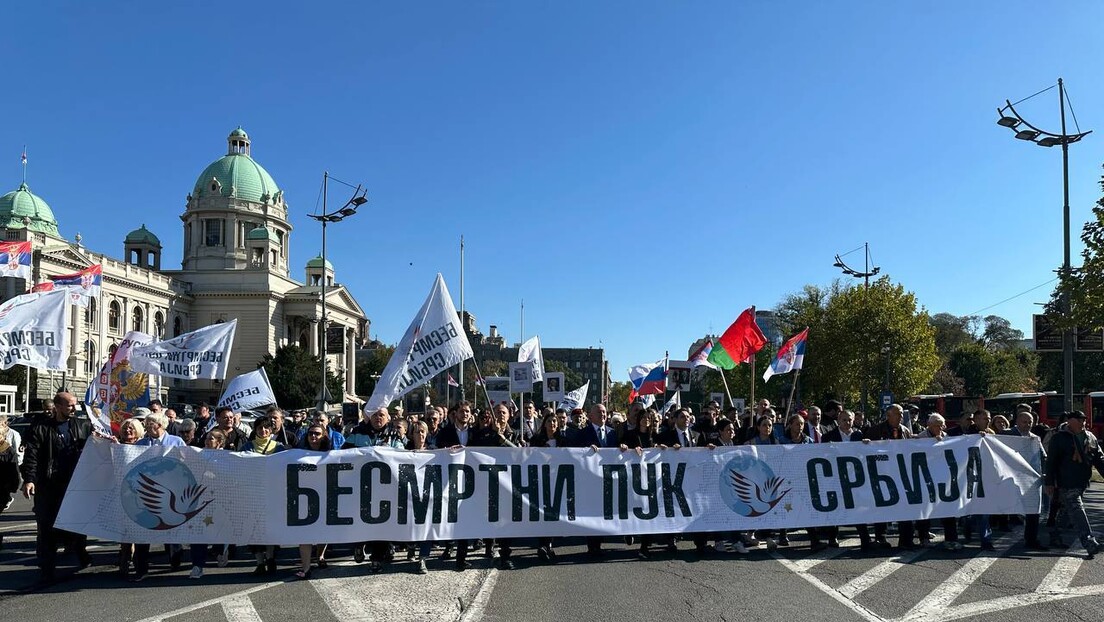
(739, 343)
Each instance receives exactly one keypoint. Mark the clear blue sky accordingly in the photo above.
(637, 172)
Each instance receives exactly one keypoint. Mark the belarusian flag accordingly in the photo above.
(739, 343)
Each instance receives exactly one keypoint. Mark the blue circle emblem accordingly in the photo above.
(749, 486)
(161, 494)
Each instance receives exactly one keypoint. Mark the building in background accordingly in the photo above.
(236, 264)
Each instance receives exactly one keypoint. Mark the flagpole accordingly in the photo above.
(727, 392)
(521, 398)
(789, 403)
(485, 394)
(463, 321)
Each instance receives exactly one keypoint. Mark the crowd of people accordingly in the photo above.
(47, 458)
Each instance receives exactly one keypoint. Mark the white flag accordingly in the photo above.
(575, 399)
(434, 342)
(672, 403)
(530, 351)
(247, 391)
(32, 331)
(200, 354)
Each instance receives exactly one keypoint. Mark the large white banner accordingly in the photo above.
(203, 353)
(32, 331)
(126, 493)
(434, 342)
(249, 390)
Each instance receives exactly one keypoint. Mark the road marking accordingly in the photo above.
(240, 609)
(866, 614)
(473, 612)
(822, 556)
(935, 604)
(347, 604)
(208, 603)
(1060, 576)
(875, 575)
(16, 526)
(19, 560)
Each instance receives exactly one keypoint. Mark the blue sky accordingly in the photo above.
(637, 172)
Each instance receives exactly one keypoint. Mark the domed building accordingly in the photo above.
(236, 264)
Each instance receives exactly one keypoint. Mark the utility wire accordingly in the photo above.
(1014, 297)
(1030, 96)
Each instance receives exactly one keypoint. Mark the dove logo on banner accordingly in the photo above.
(434, 342)
(749, 486)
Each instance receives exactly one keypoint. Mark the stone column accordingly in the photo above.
(350, 361)
(314, 337)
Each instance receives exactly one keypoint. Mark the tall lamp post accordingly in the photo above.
(325, 218)
(1008, 117)
(865, 275)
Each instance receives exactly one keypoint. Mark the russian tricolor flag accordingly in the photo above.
(648, 379)
(789, 357)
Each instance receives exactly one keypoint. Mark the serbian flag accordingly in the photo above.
(81, 285)
(790, 356)
(15, 259)
(700, 357)
(48, 286)
(739, 343)
(479, 378)
(452, 381)
(648, 379)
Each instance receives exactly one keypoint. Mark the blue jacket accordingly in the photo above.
(588, 436)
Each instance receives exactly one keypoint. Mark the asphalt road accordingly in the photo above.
(791, 584)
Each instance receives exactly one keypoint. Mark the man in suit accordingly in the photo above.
(1024, 421)
(845, 432)
(814, 427)
(890, 430)
(681, 435)
(596, 435)
(457, 431)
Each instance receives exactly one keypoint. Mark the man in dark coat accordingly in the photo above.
(1072, 454)
(54, 444)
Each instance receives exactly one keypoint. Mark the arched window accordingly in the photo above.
(177, 326)
(158, 325)
(90, 317)
(91, 363)
(137, 322)
(113, 316)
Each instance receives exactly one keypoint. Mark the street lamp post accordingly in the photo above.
(325, 218)
(1025, 131)
(865, 275)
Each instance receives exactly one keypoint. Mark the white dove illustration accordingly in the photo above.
(163, 503)
(760, 499)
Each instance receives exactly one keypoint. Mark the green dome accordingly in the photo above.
(239, 133)
(317, 263)
(142, 236)
(237, 170)
(262, 233)
(20, 204)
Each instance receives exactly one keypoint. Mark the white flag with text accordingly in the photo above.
(575, 399)
(32, 331)
(434, 342)
(530, 352)
(200, 354)
(250, 390)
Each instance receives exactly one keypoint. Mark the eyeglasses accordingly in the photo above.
(314, 433)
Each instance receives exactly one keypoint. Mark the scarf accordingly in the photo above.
(264, 449)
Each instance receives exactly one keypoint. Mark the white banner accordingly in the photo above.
(203, 353)
(434, 342)
(250, 390)
(575, 399)
(530, 352)
(126, 493)
(32, 331)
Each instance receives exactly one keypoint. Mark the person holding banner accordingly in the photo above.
(130, 432)
(316, 439)
(889, 430)
(549, 435)
(233, 438)
(493, 432)
(419, 551)
(54, 445)
(596, 435)
(374, 432)
(937, 430)
(263, 442)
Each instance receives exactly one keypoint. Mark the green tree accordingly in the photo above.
(369, 368)
(1084, 283)
(952, 331)
(618, 395)
(295, 375)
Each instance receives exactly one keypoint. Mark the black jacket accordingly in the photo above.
(836, 436)
(1070, 459)
(49, 460)
(884, 432)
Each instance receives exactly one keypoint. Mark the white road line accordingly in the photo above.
(807, 564)
(19, 560)
(347, 603)
(208, 603)
(875, 575)
(935, 604)
(1011, 602)
(16, 526)
(1060, 576)
(473, 612)
(865, 613)
(240, 609)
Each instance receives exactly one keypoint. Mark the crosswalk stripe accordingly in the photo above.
(240, 609)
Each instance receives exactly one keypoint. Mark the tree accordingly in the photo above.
(987, 372)
(1000, 334)
(618, 395)
(952, 331)
(295, 374)
(1084, 284)
(369, 368)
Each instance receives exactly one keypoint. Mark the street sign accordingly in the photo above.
(1047, 337)
(887, 400)
(1090, 340)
